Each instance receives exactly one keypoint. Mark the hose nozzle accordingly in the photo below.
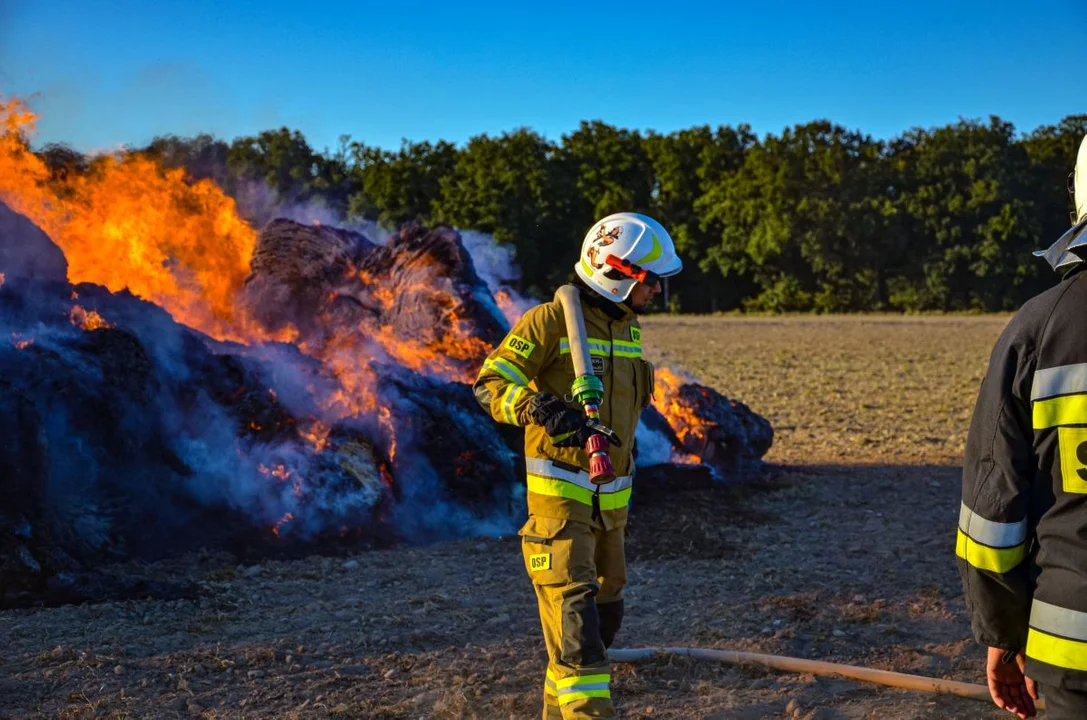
(600, 468)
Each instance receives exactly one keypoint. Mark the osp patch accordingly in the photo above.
(520, 346)
(540, 562)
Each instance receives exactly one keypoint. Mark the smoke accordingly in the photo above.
(497, 266)
(260, 204)
(654, 447)
(143, 417)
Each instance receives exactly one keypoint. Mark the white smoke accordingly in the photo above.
(497, 266)
(260, 204)
(654, 447)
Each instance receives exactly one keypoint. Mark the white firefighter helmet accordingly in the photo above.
(1060, 253)
(623, 249)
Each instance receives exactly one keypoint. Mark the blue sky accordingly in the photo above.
(102, 74)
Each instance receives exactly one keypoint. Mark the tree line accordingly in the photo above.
(817, 218)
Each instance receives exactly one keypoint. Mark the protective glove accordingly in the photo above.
(566, 427)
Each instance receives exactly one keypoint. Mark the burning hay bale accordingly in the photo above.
(455, 454)
(296, 269)
(134, 436)
(417, 298)
(710, 428)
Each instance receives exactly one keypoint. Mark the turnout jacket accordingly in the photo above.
(1022, 534)
(535, 357)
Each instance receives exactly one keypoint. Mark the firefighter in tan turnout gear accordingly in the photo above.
(573, 540)
(1022, 537)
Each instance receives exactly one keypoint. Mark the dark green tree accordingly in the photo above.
(511, 187)
(401, 186)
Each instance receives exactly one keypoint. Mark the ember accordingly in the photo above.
(281, 522)
(87, 319)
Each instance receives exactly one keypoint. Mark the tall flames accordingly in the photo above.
(129, 223)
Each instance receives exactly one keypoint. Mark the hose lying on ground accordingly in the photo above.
(815, 667)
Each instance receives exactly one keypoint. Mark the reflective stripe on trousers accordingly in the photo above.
(577, 687)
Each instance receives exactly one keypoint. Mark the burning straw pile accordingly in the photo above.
(171, 380)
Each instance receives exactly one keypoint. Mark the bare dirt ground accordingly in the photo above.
(842, 552)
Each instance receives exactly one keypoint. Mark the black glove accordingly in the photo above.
(566, 427)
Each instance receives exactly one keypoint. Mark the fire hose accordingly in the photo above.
(815, 667)
(587, 391)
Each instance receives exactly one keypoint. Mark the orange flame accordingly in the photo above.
(508, 306)
(317, 434)
(687, 426)
(385, 417)
(87, 319)
(454, 352)
(128, 223)
(281, 522)
(21, 344)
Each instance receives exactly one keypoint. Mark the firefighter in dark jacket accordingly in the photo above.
(1022, 535)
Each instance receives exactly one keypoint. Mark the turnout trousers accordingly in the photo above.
(578, 571)
(1064, 703)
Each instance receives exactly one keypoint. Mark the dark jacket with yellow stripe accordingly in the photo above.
(535, 357)
(1022, 536)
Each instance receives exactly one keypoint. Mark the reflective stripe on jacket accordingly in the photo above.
(535, 357)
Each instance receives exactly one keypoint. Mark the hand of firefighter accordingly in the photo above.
(1010, 689)
(566, 427)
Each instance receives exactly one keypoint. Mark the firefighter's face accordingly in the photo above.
(641, 297)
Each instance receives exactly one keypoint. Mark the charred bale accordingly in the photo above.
(458, 453)
(27, 252)
(295, 268)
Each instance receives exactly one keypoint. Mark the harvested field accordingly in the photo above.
(842, 552)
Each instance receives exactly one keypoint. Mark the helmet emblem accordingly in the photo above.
(604, 237)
